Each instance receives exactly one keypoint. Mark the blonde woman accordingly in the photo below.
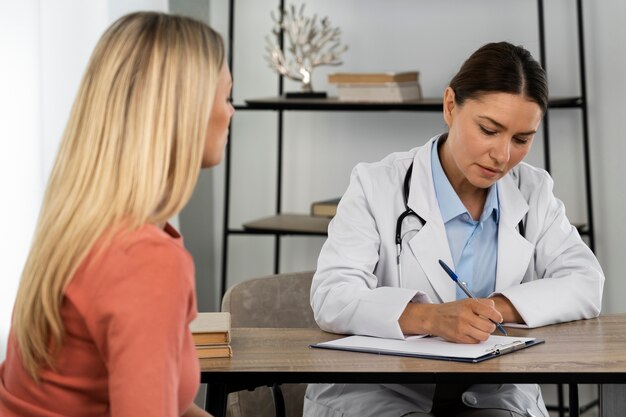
(100, 326)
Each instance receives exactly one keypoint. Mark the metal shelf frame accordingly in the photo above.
(280, 105)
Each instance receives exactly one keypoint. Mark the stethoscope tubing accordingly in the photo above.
(406, 213)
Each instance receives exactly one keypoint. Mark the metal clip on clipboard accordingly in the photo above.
(498, 348)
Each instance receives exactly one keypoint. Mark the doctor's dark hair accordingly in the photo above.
(501, 68)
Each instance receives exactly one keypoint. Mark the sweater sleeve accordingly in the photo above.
(139, 321)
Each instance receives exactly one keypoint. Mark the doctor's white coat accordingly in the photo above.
(549, 275)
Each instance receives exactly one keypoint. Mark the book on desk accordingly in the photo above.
(428, 347)
(214, 351)
(211, 335)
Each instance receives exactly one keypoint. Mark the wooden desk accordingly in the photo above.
(586, 351)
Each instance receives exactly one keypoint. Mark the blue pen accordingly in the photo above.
(465, 290)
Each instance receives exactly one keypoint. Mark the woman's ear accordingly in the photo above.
(448, 105)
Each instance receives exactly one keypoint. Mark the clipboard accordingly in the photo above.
(433, 347)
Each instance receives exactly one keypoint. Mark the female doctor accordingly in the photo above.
(465, 198)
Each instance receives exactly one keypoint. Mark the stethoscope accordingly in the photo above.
(409, 212)
(406, 213)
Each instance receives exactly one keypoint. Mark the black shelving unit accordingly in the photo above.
(281, 224)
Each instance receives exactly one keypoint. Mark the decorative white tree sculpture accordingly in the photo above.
(310, 42)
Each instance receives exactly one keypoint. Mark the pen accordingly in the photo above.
(465, 290)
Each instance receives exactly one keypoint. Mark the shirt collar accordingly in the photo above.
(492, 205)
(450, 204)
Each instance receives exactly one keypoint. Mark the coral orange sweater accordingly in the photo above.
(127, 349)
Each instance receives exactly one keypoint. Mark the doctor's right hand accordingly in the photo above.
(461, 321)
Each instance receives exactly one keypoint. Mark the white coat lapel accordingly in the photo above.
(430, 244)
(514, 251)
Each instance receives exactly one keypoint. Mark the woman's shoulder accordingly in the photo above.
(143, 240)
(529, 176)
(393, 164)
(534, 184)
(145, 257)
(399, 162)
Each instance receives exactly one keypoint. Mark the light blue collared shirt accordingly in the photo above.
(473, 244)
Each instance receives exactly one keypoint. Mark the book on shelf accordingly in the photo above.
(373, 77)
(211, 328)
(377, 87)
(325, 208)
(379, 93)
(214, 351)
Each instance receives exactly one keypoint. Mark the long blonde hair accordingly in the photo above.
(130, 155)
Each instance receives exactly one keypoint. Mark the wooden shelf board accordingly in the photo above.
(333, 104)
(296, 224)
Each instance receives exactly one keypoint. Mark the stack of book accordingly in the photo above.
(390, 87)
(211, 335)
(325, 208)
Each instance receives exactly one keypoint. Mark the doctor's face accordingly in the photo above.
(487, 137)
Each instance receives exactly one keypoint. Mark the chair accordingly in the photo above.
(274, 301)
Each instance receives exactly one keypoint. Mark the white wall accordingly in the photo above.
(21, 179)
(433, 37)
(44, 49)
(606, 64)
